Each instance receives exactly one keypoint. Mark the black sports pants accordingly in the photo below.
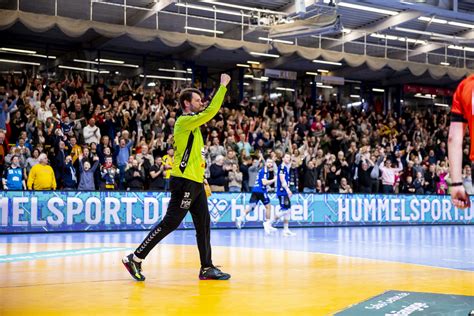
(186, 195)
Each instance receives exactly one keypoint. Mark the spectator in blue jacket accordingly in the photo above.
(87, 174)
(69, 177)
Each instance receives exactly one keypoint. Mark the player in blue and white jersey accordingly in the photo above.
(284, 194)
(14, 177)
(259, 194)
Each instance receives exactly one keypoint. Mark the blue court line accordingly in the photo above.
(58, 254)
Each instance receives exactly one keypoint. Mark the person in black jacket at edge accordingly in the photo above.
(134, 177)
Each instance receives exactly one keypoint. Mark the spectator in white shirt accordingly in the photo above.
(388, 174)
(91, 133)
(44, 112)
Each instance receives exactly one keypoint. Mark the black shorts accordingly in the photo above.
(285, 203)
(258, 196)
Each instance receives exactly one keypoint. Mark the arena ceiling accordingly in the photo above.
(431, 26)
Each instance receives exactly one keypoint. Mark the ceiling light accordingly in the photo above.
(355, 96)
(444, 63)
(378, 90)
(327, 62)
(248, 76)
(246, 84)
(253, 62)
(243, 65)
(85, 61)
(84, 69)
(275, 40)
(388, 37)
(402, 29)
(23, 52)
(283, 41)
(442, 104)
(44, 56)
(151, 84)
(323, 71)
(173, 70)
(324, 87)
(261, 78)
(243, 7)
(441, 21)
(110, 61)
(203, 30)
(412, 40)
(264, 54)
(285, 89)
(203, 8)
(312, 73)
(434, 20)
(426, 96)
(127, 65)
(20, 51)
(403, 39)
(469, 49)
(367, 8)
(166, 78)
(102, 63)
(461, 24)
(9, 61)
(358, 103)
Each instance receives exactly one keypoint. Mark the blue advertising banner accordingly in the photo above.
(41, 211)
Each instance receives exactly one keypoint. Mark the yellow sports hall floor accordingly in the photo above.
(82, 274)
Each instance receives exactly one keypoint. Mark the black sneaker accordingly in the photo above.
(133, 267)
(213, 273)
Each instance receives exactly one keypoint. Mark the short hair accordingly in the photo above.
(187, 95)
(42, 156)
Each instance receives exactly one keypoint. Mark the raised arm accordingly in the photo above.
(191, 122)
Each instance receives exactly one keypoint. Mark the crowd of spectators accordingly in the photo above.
(67, 134)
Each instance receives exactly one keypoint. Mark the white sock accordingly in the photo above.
(136, 259)
(286, 226)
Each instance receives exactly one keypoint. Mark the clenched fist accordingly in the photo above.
(459, 197)
(225, 79)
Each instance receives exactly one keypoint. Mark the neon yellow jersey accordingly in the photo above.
(168, 161)
(189, 162)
